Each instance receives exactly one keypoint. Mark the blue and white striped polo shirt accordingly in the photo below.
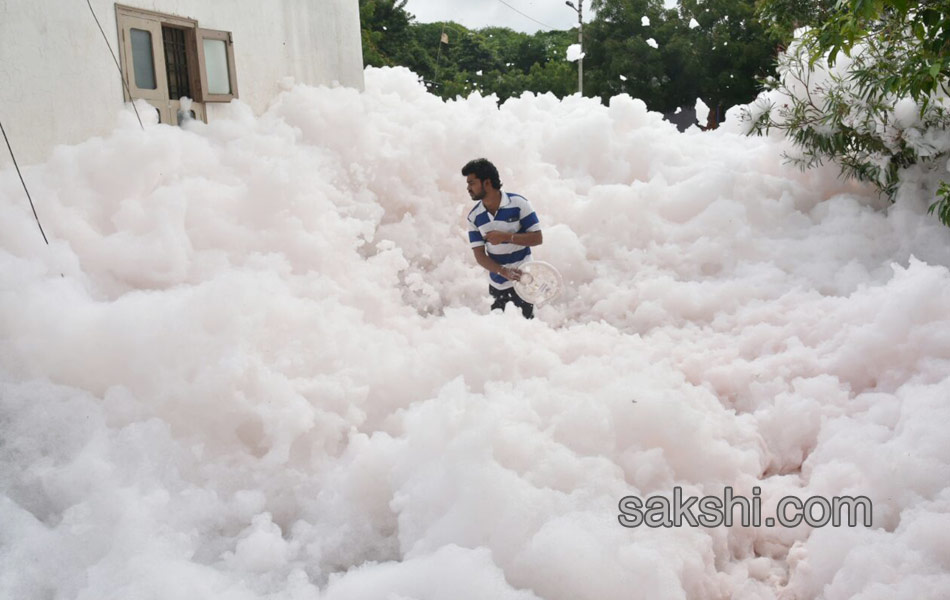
(514, 215)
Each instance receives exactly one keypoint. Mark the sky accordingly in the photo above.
(256, 360)
(521, 15)
(474, 14)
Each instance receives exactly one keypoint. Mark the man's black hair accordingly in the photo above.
(482, 169)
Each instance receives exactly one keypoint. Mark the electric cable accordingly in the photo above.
(25, 189)
(116, 60)
(525, 15)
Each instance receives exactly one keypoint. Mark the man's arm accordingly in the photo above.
(532, 238)
(482, 258)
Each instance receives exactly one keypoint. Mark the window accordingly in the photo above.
(216, 57)
(142, 60)
(176, 63)
(166, 58)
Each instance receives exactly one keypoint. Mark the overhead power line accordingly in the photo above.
(525, 15)
(121, 74)
(25, 189)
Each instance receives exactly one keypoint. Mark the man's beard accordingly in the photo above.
(478, 196)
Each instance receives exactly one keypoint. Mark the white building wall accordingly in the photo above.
(59, 84)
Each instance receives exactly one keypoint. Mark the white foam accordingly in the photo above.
(256, 360)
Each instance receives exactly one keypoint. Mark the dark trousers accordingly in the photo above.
(503, 297)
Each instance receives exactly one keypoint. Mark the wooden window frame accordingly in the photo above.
(191, 56)
(225, 36)
(194, 36)
(144, 13)
(126, 53)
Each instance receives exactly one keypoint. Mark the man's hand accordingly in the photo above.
(499, 237)
(512, 274)
(482, 258)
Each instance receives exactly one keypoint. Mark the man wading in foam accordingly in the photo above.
(506, 226)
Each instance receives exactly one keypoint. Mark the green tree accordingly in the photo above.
(497, 60)
(494, 60)
(619, 58)
(555, 77)
(783, 17)
(719, 58)
(737, 49)
(879, 111)
(385, 31)
(664, 62)
(427, 37)
(919, 64)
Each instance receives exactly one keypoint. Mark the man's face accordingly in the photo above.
(476, 188)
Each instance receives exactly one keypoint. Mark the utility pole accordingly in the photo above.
(580, 40)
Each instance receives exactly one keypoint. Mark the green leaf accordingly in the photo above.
(900, 5)
(864, 9)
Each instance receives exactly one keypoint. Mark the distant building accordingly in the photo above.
(60, 85)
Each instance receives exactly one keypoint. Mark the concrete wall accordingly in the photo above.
(59, 84)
